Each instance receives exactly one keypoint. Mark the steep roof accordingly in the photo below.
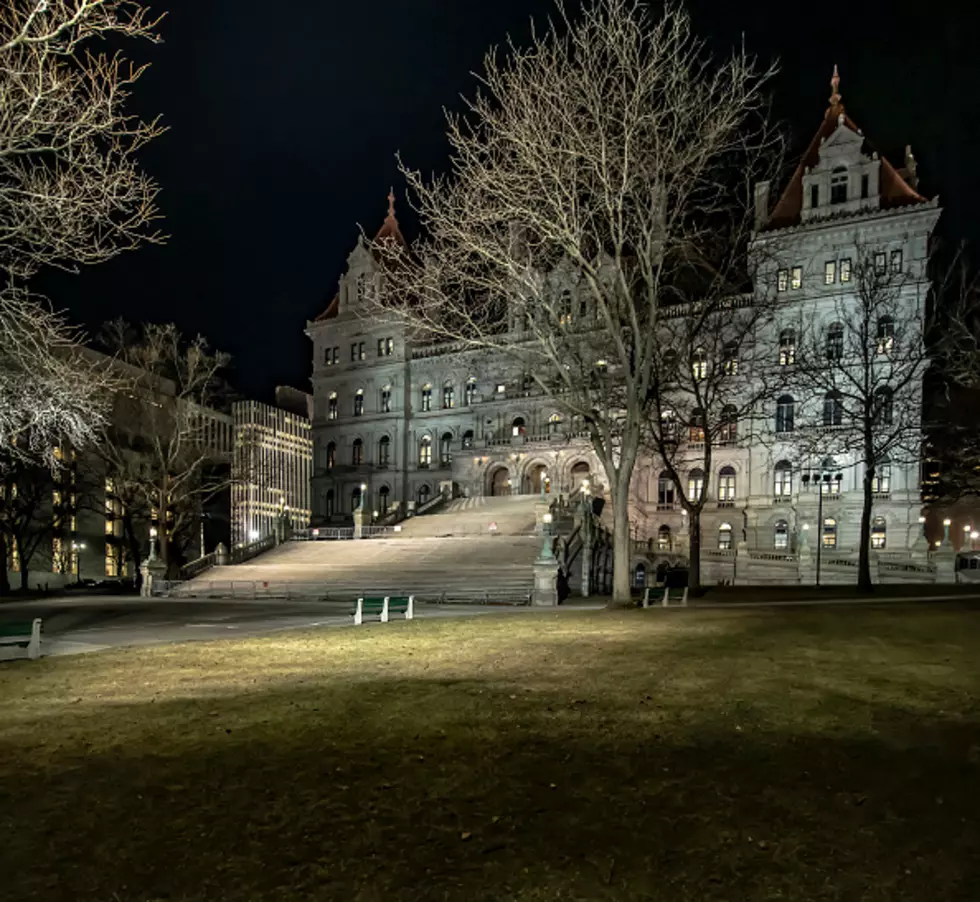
(389, 231)
(894, 190)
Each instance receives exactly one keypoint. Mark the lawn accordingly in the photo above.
(805, 754)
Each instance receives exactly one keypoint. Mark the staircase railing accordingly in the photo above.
(242, 553)
(194, 568)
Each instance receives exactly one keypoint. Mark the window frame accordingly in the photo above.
(830, 272)
(796, 278)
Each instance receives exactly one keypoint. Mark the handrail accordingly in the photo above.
(243, 553)
(193, 568)
(430, 504)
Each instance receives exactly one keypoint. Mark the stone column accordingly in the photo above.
(153, 571)
(944, 557)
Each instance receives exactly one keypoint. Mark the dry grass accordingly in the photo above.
(828, 754)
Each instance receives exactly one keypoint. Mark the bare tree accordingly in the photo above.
(71, 193)
(588, 180)
(860, 361)
(708, 383)
(160, 450)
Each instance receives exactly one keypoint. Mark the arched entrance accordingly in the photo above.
(580, 473)
(499, 482)
(537, 475)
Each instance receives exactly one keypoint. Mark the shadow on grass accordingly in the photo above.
(674, 771)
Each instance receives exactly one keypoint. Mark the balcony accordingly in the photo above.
(722, 504)
(666, 505)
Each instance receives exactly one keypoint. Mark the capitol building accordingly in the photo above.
(404, 423)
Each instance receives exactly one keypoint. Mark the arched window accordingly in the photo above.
(838, 185)
(885, 335)
(425, 452)
(829, 533)
(329, 503)
(695, 484)
(726, 485)
(331, 455)
(384, 499)
(663, 538)
(787, 347)
(427, 397)
(469, 392)
(384, 451)
(386, 399)
(445, 449)
(468, 438)
(878, 530)
(554, 424)
(517, 427)
(728, 433)
(359, 402)
(448, 396)
(669, 365)
(780, 535)
(665, 491)
(699, 364)
(640, 576)
(355, 498)
(783, 479)
(833, 409)
(881, 482)
(332, 406)
(668, 425)
(696, 428)
(565, 307)
(883, 406)
(785, 409)
(422, 495)
(835, 341)
(725, 537)
(357, 453)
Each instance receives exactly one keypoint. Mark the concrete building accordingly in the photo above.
(405, 422)
(273, 462)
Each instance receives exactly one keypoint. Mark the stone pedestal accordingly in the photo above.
(944, 557)
(743, 562)
(545, 587)
(360, 521)
(808, 569)
(152, 571)
(221, 555)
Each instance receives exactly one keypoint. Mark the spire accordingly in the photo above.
(391, 203)
(835, 97)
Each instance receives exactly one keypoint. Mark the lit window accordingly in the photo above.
(896, 261)
(787, 347)
(829, 534)
(517, 426)
(726, 484)
(425, 452)
(845, 269)
(830, 272)
(885, 335)
(359, 402)
(326, 356)
(448, 396)
(360, 351)
(782, 280)
(728, 431)
(336, 354)
(695, 484)
(796, 280)
(731, 358)
(386, 399)
(554, 424)
(445, 449)
(426, 397)
(780, 535)
(332, 407)
(878, 530)
(565, 308)
(468, 438)
(696, 428)
(663, 538)
(665, 491)
(385, 347)
(699, 364)
(331, 455)
(469, 392)
(784, 413)
(835, 341)
(501, 388)
(882, 482)
(725, 537)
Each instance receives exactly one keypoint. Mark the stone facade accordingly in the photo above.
(405, 421)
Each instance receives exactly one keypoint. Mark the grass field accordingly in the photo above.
(812, 754)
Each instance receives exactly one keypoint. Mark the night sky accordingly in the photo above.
(284, 125)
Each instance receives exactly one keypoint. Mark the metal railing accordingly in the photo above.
(323, 534)
(193, 568)
(242, 553)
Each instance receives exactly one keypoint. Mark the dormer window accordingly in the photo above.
(838, 185)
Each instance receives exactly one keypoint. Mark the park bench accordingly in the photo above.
(384, 608)
(26, 634)
(671, 594)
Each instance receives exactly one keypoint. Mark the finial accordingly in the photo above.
(834, 85)
(391, 203)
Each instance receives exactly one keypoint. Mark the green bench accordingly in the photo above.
(670, 595)
(26, 634)
(384, 608)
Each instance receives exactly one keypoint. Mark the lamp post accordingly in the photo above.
(546, 553)
(821, 477)
(78, 547)
(153, 544)
(966, 535)
(946, 525)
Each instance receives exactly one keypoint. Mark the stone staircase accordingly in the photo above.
(449, 555)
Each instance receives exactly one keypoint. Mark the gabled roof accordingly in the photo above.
(389, 231)
(893, 190)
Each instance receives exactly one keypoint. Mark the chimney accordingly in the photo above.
(761, 204)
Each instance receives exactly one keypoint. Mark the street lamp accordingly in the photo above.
(966, 534)
(821, 477)
(946, 524)
(973, 540)
(546, 553)
(77, 547)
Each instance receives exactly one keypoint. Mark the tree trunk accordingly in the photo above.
(24, 580)
(4, 579)
(694, 554)
(621, 544)
(864, 549)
